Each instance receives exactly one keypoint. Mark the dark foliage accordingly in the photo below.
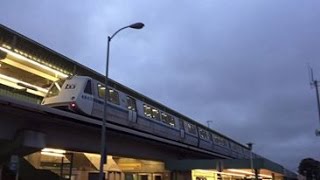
(310, 168)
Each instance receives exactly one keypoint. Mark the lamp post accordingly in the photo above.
(103, 152)
(251, 160)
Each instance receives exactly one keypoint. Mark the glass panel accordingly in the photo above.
(88, 88)
(113, 96)
(168, 119)
(147, 111)
(203, 134)
(191, 128)
(101, 90)
(155, 114)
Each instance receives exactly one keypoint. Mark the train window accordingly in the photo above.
(88, 88)
(113, 96)
(101, 91)
(131, 103)
(155, 114)
(147, 111)
(191, 128)
(151, 112)
(203, 134)
(168, 119)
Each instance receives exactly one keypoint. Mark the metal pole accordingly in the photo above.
(103, 151)
(317, 93)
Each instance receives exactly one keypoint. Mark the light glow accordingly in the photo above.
(25, 59)
(14, 83)
(52, 154)
(249, 173)
(59, 151)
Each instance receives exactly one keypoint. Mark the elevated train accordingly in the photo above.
(84, 95)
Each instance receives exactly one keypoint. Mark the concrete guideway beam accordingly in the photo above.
(24, 142)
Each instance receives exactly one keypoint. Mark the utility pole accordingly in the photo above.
(314, 82)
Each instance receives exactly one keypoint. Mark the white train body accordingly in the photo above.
(85, 95)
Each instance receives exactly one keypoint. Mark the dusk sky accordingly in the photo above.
(241, 64)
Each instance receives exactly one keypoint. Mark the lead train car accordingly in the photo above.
(84, 95)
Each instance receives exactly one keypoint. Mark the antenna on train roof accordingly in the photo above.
(208, 123)
(314, 82)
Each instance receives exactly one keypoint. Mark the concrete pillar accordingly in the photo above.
(181, 175)
(1, 167)
(273, 176)
(256, 174)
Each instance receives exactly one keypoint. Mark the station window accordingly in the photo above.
(191, 128)
(113, 94)
(203, 134)
(131, 103)
(168, 119)
(88, 88)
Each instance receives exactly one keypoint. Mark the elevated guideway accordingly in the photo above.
(59, 129)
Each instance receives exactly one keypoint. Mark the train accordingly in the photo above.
(85, 95)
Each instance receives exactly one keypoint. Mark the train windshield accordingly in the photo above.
(55, 88)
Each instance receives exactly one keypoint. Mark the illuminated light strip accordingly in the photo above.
(31, 70)
(6, 46)
(22, 82)
(14, 85)
(60, 151)
(249, 173)
(34, 62)
(52, 154)
(217, 172)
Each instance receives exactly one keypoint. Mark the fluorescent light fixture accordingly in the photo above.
(25, 59)
(59, 151)
(22, 82)
(29, 69)
(52, 154)
(217, 172)
(6, 46)
(249, 173)
(17, 84)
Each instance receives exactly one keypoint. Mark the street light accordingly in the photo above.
(250, 144)
(103, 152)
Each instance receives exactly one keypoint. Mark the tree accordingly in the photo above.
(310, 168)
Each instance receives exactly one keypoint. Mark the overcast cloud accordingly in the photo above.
(240, 64)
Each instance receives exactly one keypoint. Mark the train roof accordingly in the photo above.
(16, 40)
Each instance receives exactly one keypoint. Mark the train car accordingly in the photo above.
(84, 95)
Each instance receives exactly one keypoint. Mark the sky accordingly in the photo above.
(241, 64)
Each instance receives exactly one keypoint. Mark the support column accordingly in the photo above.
(273, 176)
(256, 174)
(181, 175)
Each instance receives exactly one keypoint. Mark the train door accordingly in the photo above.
(182, 132)
(98, 100)
(132, 109)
